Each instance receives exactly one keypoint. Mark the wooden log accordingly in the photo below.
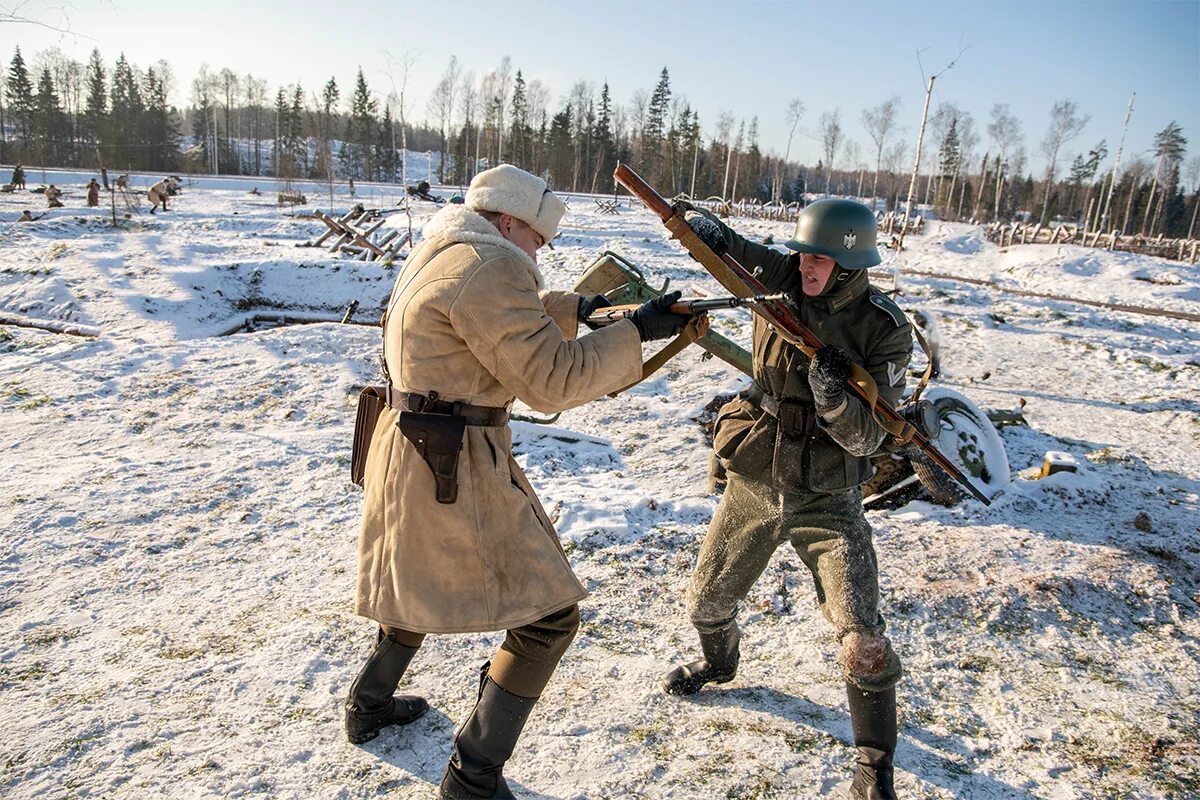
(396, 244)
(367, 244)
(341, 240)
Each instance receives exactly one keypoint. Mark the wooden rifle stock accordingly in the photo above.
(738, 280)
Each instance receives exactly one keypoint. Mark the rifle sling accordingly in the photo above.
(690, 333)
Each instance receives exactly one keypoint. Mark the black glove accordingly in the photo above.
(827, 376)
(710, 232)
(589, 304)
(654, 321)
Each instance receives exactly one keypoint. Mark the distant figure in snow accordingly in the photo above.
(796, 448)
(122, 181)
(159, 193)
(52, 195)
(27, 217)
(18, 177)
(351, 181)
(93, 193)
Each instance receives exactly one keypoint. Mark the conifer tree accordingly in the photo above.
(160, 132)
(360, 130)
(297, 144)
(96, 109)
(561, 153)
(20, 100)
(519, 132)
(652, 134)
(49, 123)
(603, 147)
(127, 111)
(327, 129)
(385, 148)
(281, 160)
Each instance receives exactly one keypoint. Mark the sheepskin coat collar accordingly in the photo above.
(459, 224)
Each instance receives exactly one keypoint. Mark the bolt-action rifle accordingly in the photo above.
(782, 314)
(610, 314)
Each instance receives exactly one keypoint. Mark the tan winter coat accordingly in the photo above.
(468, 320)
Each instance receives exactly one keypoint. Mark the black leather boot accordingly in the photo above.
(873, 718)
(719, 664)
(484, 742)
(372, 704)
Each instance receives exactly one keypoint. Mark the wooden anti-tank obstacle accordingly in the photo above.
(357, 233)
(1008, 234)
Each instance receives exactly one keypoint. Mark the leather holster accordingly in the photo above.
(438, 438)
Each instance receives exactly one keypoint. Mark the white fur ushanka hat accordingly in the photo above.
(508, 190)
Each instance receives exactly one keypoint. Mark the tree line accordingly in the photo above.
(88, 115)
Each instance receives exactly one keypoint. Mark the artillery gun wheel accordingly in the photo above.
(969, 439)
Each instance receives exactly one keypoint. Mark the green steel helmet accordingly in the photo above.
(841, 229)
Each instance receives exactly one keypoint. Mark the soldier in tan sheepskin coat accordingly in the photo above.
(468, 329)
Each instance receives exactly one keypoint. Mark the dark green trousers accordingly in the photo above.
(830, 535)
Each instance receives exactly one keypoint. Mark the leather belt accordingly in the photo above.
(796, 417)
(482, 416)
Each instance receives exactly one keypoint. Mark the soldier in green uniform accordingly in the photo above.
(796, 447)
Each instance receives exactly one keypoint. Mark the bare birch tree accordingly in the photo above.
(880, 121)
(853, 155)
(440, 108)
(831, 142)
(1065, 125)
(468, 102)
(968, 140)
(1005, 130)
(795, 110)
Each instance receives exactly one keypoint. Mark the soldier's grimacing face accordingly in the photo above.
(814, 273)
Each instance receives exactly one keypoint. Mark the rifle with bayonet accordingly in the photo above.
(782, 314)
(610, 314)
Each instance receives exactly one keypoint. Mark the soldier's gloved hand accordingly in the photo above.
(827, 375)
(655, 321)
(710, 232)
(589, 304)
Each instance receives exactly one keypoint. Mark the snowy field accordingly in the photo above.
(178, 548)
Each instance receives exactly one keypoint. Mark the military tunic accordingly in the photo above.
(795, 476)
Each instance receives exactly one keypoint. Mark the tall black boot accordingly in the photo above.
(484, 742)
(371, 705)
(873, 718)
(719, 664)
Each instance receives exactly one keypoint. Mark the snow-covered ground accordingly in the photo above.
(178, 548)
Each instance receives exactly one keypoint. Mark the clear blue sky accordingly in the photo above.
(748, 58)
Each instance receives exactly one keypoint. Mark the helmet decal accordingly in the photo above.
(849, 239)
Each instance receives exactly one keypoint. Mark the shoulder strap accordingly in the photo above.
(397, 291)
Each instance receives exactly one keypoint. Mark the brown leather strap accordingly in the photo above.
(481, 416)
(691, 332)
